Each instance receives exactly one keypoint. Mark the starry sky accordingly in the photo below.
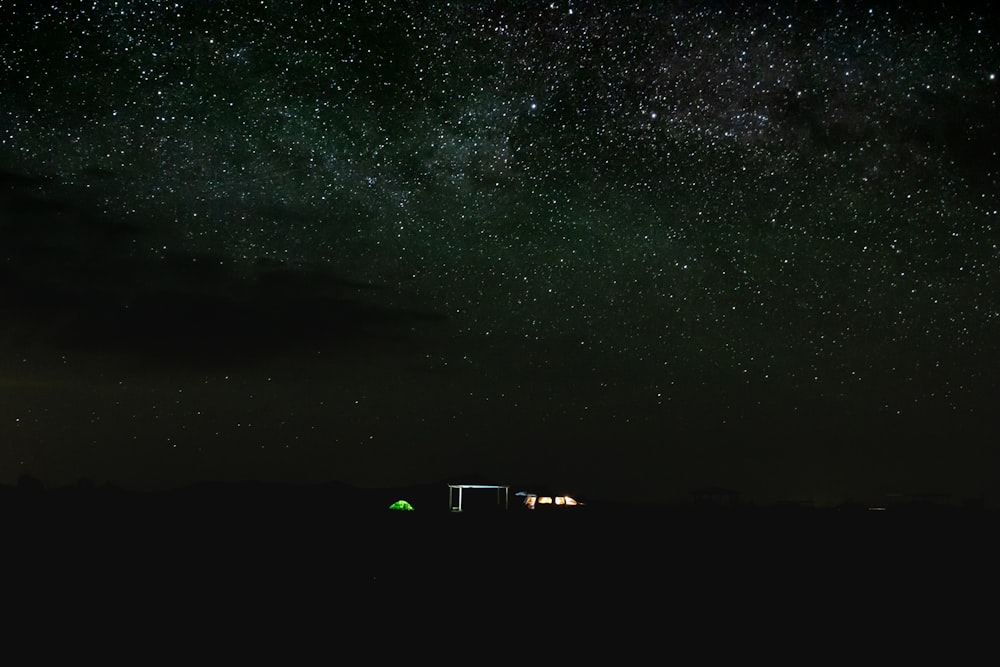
(624, 249)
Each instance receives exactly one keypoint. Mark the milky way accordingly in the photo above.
(772, 206)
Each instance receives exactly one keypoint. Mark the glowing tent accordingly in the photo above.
(401, 505)
(533, 500)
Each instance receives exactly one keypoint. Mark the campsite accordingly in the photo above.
(354, 539)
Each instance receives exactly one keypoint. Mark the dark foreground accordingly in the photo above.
(250, 556)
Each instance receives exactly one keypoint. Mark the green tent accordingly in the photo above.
(401, 505)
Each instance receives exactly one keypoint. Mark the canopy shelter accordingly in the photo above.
(455, 492)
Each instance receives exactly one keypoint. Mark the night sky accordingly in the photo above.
(621, 250)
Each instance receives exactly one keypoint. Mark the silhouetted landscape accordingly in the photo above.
(305, 566)
(350, 536)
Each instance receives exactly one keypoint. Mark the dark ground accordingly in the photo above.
(243, 566)
(274, 540)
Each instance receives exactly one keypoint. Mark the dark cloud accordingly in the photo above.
(70, 277)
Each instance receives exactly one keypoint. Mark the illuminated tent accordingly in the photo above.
(533, 500)
(401, 505)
